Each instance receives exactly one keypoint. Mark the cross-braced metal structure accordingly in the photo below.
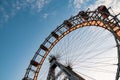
(100, 17)
(71, 75)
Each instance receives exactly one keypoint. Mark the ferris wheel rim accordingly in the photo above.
(69, 28)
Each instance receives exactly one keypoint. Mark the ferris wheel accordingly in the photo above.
(84, 47)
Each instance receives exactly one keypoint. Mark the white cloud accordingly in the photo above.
(45, 15)
(78, 3)
(6, 17)
(114, 4)
(38, 4)
(82, 4)
(10, 8)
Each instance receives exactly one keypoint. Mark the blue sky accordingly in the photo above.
(22, 33)
(24, 24)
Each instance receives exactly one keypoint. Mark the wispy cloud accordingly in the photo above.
(10, 8)
(78, 3)
(45, 15)
(92, 4)
(37, 4)
(114, 4)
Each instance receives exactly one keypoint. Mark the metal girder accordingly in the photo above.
(71, 75)
(89, 20)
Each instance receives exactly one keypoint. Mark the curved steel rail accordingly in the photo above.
(94, 18)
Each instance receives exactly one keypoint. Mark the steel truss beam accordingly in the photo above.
(83, 18)
(71, 75)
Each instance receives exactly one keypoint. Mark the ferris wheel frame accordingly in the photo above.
(99, 18)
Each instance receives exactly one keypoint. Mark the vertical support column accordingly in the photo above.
(118, 69)
(51, 74)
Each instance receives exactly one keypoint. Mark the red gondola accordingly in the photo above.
(104, 11)
(84, 15)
